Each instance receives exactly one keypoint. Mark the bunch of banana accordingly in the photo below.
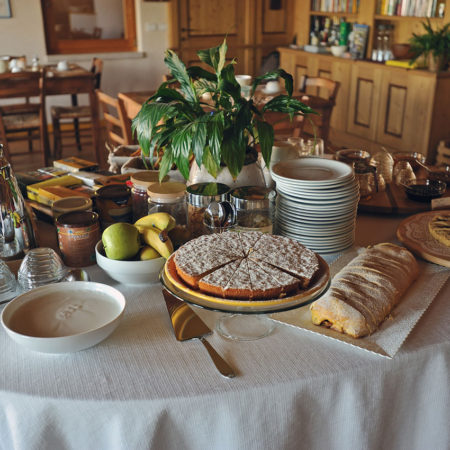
(154, 228)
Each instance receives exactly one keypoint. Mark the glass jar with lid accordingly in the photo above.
(140, 182)
(170, 197)
(254, 208)
(199, 196)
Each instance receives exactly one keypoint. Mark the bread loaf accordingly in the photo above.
(365, 291)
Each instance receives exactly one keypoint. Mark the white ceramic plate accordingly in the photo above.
(63, 317)
(312, 171)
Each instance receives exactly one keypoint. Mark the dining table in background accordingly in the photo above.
(141, 388)
(75, 80)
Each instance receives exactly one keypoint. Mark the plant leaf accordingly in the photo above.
(265, 135)
(178, 70)
(233, 151)
(215, 132)
(209, 163)
(166, 163)
(199, 141)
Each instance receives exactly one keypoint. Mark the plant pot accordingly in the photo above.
(436, 63)
(250, 175)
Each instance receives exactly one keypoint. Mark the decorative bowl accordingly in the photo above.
(424, 190)
(338, 50)
(401, 51)
(129, 272)
(63, 317)
(352, 155)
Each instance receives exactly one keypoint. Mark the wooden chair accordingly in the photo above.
(24, 121)
(320, 94)
(118, 125)
(73, 114)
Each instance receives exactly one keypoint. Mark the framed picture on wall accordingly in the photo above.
(5, 9)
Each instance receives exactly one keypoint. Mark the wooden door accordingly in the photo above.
(253, 28)
(364, 99)
(201, 24)
(405, 110)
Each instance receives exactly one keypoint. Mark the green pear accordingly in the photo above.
(121, 241)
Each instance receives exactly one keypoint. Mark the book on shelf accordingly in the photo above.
(359, 44)
(412, 8)
(74, 164)
(65, 180)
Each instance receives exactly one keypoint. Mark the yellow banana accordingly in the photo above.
(161, 220)
(159, 240)
(147, 253)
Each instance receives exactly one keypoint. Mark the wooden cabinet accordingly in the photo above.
(402, 26)
(378, 105)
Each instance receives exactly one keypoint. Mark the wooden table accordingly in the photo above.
(76, 80)
(133, 101)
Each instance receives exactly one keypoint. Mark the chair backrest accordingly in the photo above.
(96, 69)
(322, 101)
(118, 126)
(25, 85)
(330, 86)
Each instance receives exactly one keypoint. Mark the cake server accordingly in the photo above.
(187, 325)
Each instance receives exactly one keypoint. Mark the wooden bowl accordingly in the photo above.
(402, 51)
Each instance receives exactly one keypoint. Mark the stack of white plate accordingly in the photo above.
(317, 203)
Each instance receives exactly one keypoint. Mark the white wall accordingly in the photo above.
(23, 34)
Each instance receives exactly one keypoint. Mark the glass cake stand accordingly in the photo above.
(245, 319)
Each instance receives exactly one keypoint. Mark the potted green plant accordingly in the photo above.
(433, 46)
(222, 131)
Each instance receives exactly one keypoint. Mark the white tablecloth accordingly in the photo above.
(142, 389)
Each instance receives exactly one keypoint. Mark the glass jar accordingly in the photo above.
(198, 197)
(140, 182)
(170, 197)
(366, 175)
(254, 208)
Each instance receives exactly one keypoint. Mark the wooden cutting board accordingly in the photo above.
(413, 232)
(394, 201)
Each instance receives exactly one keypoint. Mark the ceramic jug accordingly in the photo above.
(16, 231)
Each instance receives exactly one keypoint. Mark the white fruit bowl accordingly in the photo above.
(129, 272)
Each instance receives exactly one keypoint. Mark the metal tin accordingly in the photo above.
(71, 204)
(78, 233)
(113, 203)
(254, 208)
(201, 194)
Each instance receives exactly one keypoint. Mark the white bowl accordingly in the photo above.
(129, 272)
(338, 50)
(63, 317)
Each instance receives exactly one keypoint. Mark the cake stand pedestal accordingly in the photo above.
(245, 327)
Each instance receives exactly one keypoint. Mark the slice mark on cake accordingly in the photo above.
(214, 283)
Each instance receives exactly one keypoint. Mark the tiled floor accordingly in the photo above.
(33, 160)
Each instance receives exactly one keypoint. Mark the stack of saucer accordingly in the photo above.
(317, 203)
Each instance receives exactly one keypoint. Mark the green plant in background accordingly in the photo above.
(433, 42)
(222, 131)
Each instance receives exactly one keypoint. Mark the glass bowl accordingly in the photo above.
(424, 190)
(40, 266)
(352, 155)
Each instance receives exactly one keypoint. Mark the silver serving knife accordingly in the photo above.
(187, 325)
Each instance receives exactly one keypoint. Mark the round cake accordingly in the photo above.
(247, 265)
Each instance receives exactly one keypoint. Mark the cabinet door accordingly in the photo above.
(364, 100)
(405, 111)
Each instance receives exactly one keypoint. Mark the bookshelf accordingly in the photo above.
(369, 12)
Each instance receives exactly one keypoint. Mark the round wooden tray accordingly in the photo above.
(177, 287)
(413, 232)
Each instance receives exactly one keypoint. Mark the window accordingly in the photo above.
(89, 26)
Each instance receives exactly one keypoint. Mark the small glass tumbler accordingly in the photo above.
(8, 284)
(315, 147)
(39, 267)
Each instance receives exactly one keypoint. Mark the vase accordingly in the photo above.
(250, 175)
